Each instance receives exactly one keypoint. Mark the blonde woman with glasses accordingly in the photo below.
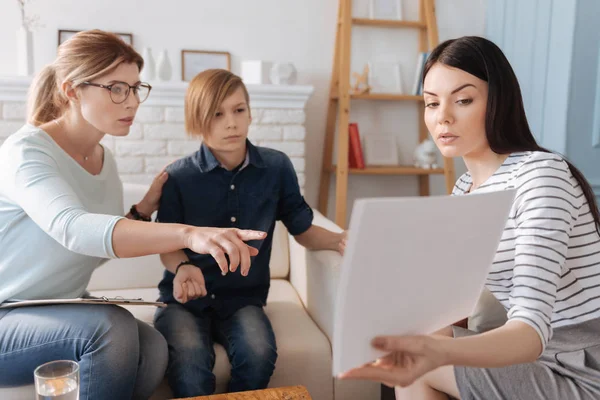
(60, 206)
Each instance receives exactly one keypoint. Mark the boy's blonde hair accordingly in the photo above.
(204, 96)
(84, 57)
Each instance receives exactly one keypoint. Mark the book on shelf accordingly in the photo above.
(418, 83)
(355, 153)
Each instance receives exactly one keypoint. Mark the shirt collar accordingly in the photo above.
(208, 161)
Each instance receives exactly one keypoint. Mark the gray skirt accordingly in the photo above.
(568, 369)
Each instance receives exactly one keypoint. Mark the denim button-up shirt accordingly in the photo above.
(201, 192)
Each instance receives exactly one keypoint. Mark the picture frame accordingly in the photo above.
(385, 9)
(65, 34)
(381, 150)
(385, 77)
(195, 61)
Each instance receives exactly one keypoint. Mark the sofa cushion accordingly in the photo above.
(304, 351)
(280, 254)
(488, 313)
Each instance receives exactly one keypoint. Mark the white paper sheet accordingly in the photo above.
(413, 266)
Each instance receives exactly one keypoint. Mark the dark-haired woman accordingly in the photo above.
(546, 272)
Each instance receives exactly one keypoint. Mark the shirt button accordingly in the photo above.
(232, 187)
(233, 219)
(212, 296)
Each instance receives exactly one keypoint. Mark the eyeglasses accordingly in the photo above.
(119, 91)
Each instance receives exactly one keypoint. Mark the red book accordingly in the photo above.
(351, 159)
(355, 147)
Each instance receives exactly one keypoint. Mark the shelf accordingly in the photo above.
(389, 23)
(387, 97)
(384, 97)
(392, 170)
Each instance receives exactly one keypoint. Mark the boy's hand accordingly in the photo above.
(188, 284)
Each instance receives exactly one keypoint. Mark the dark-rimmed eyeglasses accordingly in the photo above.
(119, 91)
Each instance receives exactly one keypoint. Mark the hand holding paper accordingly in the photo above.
(419, 265)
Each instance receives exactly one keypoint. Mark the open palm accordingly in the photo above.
(409, 358)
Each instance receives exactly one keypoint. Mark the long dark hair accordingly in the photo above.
(506, 126)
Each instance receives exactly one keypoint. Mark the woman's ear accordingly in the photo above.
(69, 91)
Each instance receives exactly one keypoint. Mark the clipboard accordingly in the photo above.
(15, 303)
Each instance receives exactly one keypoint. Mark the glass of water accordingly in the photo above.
(57, 380)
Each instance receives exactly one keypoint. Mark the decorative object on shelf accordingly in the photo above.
(283, 74)
(256, 72)
(25, 40)
(381, 150)
(65, 34)
(24, 51)
(361, 83)
(164, 69)
(385, 9)
(149, 71)
(195, 61)
(385, 77)
(426, 155)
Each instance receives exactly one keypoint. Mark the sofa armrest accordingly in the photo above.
(315, 276)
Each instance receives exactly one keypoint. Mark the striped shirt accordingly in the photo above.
(546, 271)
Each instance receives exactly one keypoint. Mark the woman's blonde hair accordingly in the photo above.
(84, 57)
(204, 96)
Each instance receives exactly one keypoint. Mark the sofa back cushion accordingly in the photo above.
(144, 272)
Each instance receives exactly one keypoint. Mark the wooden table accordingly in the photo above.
(284, 393)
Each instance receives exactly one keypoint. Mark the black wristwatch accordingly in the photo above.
(136, 215)
(186, 262)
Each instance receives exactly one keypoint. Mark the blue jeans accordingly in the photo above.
(247, 337)
(119, 357)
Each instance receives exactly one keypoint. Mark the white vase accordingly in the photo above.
(149, 71)
(283, 74)
(164, 66)
(24, 52)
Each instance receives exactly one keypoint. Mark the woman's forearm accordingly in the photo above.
(136, 238)
(514, 343)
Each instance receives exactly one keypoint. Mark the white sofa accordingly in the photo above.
(300, 307)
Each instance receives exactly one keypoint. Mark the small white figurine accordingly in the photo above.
(426, 155)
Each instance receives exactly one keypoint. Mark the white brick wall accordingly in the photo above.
(182, 147)
(158, 137)
(174, 114)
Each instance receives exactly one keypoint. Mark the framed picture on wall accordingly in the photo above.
(195, 61)
(381, 150)
(65, 34)
(385, 77)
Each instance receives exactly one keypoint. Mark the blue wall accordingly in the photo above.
(553, 46)
(583, 138)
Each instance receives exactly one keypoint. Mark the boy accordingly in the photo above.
(228, 183)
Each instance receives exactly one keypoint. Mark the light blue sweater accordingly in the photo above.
(56, 219)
